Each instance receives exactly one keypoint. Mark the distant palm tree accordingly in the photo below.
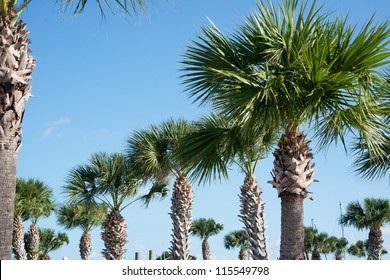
(286, 66)
(237, 239)
(16, 68)
(38, 203)
(338, 246)
(50, 241)
(85, 216)
(106, 179)
(217, 144)
(372, 215)
(204, 229)
(152, 153)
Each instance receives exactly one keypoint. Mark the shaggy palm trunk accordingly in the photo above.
(252, 210)
(114, 236)
(16, 67)
(18, 239)
(292, 175)
(206, 249)
(375, 242)
(32, 245)
(85, 245)
(45, 257)
(242, 254)
(181, 215)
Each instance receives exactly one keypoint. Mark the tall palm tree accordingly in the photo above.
(106, 179)
(372, 215)
(152, 153)
(38, 202)
(16, 67)
(50, 241)
(86, 216)
(287, 66)
(204, 229)
(217, 144)
(237, 239)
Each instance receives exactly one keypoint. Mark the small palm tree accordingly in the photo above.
(86, 216)
(287, 66)
(204, 229)
(50, 241)
(372, 215)
(106, 179)
(38, 203)
(338, 246)
(237, 239)
(152, 153)
(217, 144)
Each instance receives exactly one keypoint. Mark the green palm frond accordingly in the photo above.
(158, 189)
(236, 239)
(50, 241)
(204, 228)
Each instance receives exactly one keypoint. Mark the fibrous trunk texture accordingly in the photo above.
(252, 215)
(375, 243)
(292, 175)
(18, 239)
(114, 236)
(32, 245)
(206, 249)
(242, 254)
(45, 257)
(16, 66)
(181, 215)
(85, 245)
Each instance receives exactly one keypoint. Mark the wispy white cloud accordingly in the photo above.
(54, 125)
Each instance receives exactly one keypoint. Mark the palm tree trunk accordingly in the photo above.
(181, 215)
(375, 242)
(18, 239)
(292, 175)
(114, 236)
(16, 67)
(252, 210)
(85, 245)
(206, 249)
(32, 245)
(242, 254)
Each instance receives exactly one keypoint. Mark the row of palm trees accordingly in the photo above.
(285, 67)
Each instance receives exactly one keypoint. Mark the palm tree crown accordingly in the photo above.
(204, 228)
(237, 239)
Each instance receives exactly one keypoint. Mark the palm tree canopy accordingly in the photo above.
(290, 64)
(83, 215)
(236, 239)
(34, 199)
(50, 241)
(373, 214)
(216, 143)
(106, 178)
(204, 228)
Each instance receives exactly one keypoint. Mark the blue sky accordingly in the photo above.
(96, 82)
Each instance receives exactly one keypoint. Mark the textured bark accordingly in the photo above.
(181, 215)
(375, 243)
(292, 175)
(251, 214)
(32, 245)
(16, 66)
(242, 254)
(85, 245)
(206, 249)
(114, 236)
(18, 239)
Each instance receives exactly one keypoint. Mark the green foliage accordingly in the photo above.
(236, 239)
(204, 228)
(34, 199)
(50, 241)
(361, 249)
(6, 6)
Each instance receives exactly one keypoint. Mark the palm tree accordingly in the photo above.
(372, 215)
(152, 153)
(106, 179)
(16, 67)
(237, 239)
(361, 249)
(86, 216)
(338, 246)
(50, 241)
(217, 144)
(287, 66)
(204, 229)
(37, 203)
(18, 245)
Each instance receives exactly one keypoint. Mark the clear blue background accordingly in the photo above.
(98, 81)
